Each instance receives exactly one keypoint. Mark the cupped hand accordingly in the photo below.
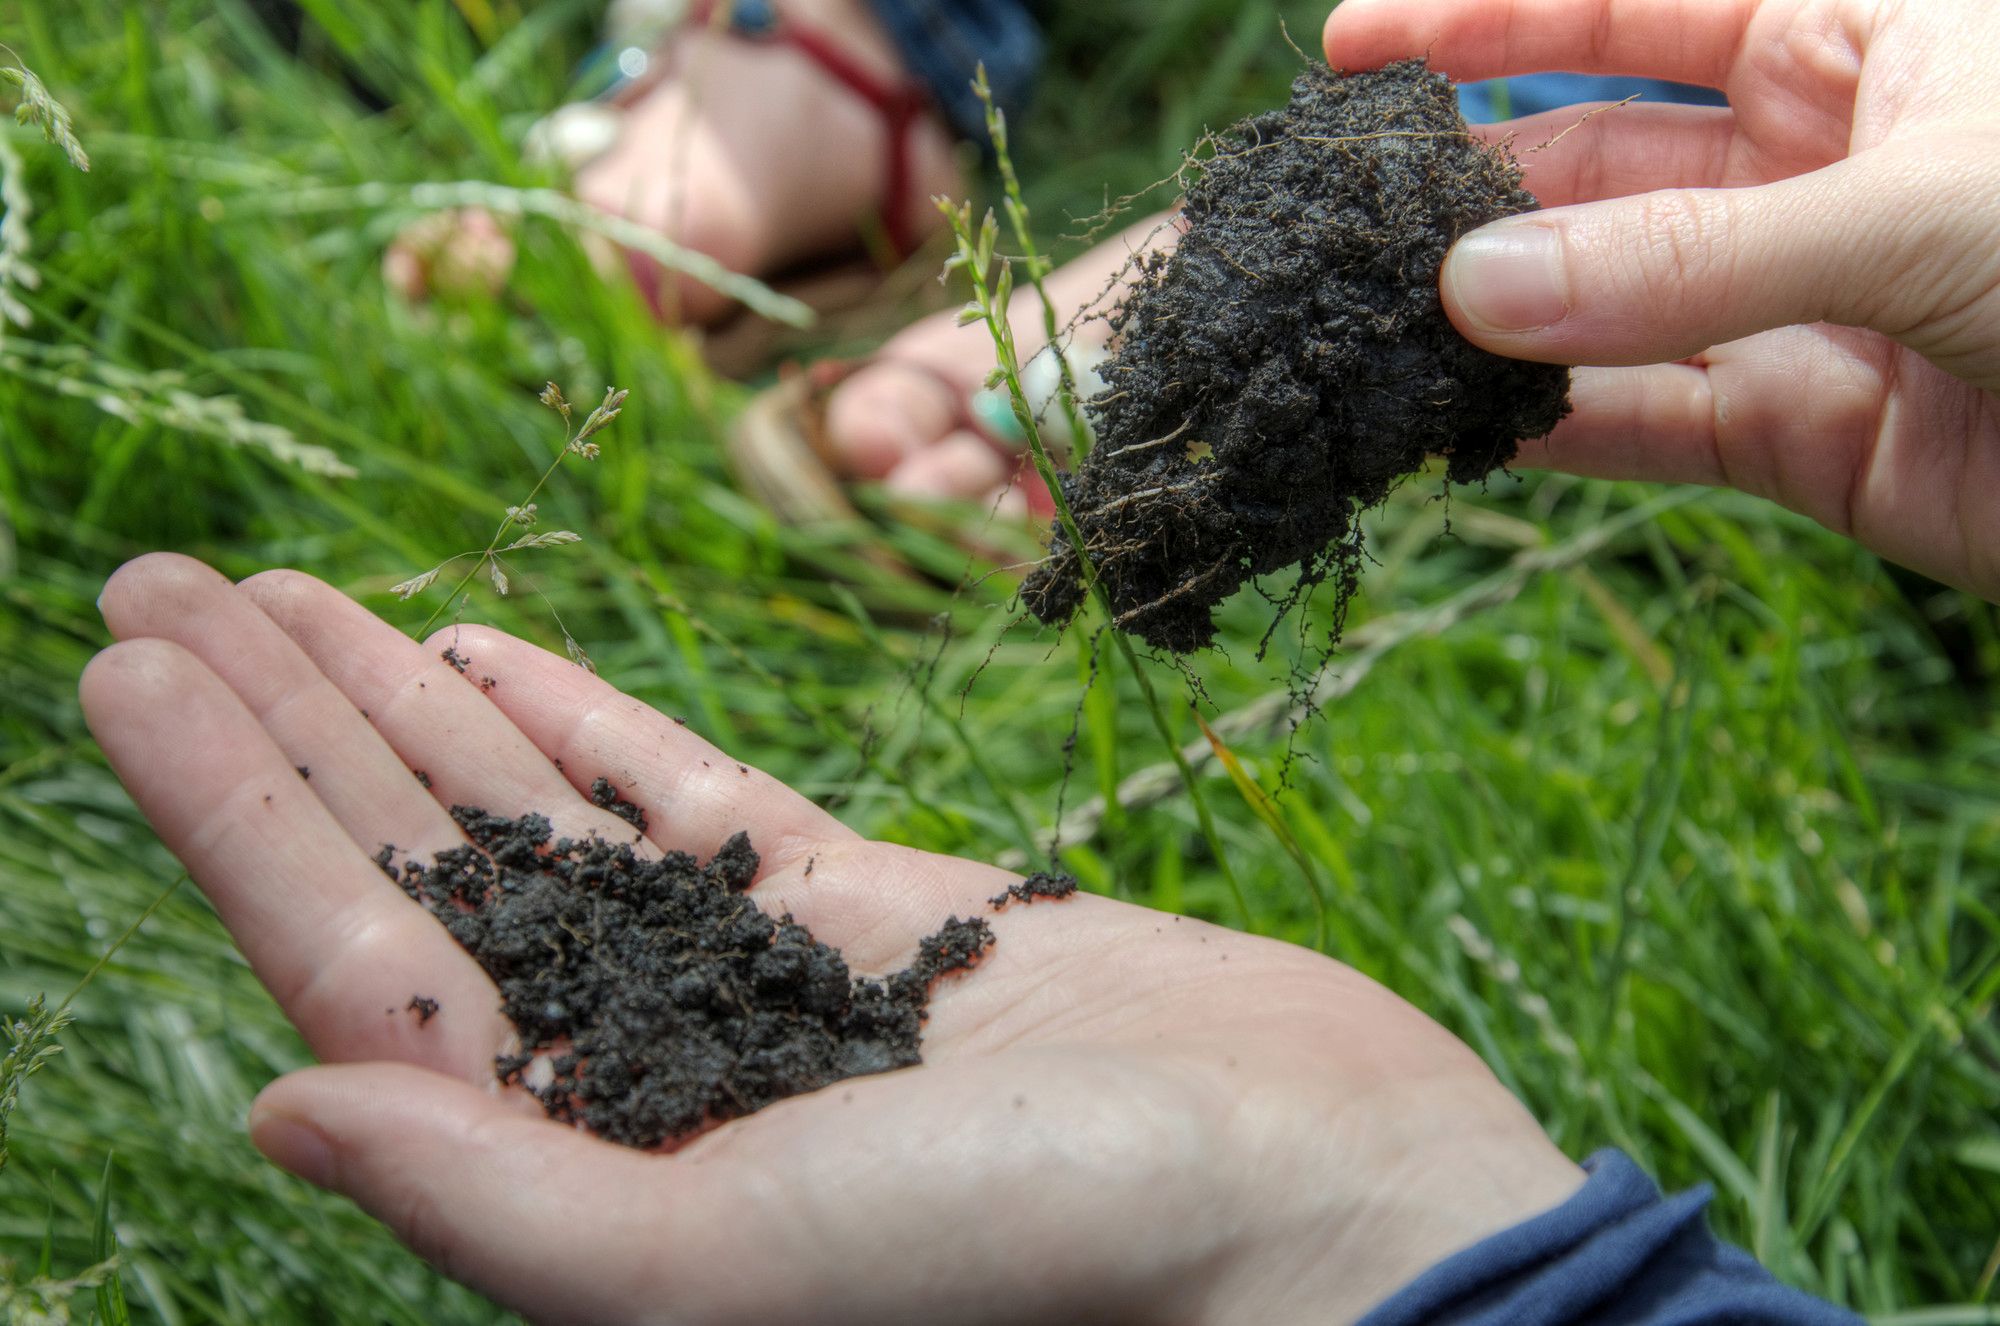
(1797, 295)
(1121, 1116)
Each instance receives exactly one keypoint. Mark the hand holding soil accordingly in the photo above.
(1120, 1115)
(1287, 364)
(1854, 180)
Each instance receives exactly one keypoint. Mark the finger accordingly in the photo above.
(1581, 154)
(1799, 416)
(353, 770)
(1688, 41)
(1661, 276)
(693, 795)
(1655, 424)
(339, 946)
(1789, 416)
(544, 1219)
(434, 717)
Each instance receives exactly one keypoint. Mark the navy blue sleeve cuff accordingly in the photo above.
(1616, 1254)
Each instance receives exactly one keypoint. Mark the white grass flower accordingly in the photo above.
(39, 108)
(554, 538)
(416, 585)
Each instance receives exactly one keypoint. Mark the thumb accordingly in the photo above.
(1897, 240)
(542, 1218)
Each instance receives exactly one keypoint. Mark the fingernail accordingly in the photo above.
(1509, 277)
(294, 1145)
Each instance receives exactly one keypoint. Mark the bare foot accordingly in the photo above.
(899, 420)
(747, 151)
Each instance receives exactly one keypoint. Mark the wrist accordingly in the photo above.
(1355, 1211)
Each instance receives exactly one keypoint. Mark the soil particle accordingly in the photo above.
(1041, 884)
(604, 794)
(425, 1008)
(1290, 362)
(664, 999)
(458, 661)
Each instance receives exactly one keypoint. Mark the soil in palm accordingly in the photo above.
(652, 996)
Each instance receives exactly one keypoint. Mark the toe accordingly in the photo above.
(1007, 502)
(960, 465)
(403, 271)
(451, 252)
(885, 415)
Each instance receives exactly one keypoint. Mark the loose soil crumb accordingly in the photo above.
(425, 1008)
(605, 795)
(1290, 361)
(1041, 884)
(663, 998)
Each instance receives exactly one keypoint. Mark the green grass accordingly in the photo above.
(1692, 834)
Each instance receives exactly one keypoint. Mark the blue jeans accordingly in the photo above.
(944, 41)
(1507, 98)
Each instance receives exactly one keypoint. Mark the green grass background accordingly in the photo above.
(1694, 839)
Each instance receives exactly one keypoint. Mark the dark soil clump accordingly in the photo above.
(660, 996)
(1041, 884)
(605, 796)
(1290, 361)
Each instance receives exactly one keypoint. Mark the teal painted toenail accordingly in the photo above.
(993, 411)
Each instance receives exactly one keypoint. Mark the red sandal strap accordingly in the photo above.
(901, 105)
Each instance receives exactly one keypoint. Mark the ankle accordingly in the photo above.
(855, 26)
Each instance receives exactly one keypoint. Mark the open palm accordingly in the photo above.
(1802, 286)
(1121, 1115)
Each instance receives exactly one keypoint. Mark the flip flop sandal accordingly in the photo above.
(782, 456)
(638, 56)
